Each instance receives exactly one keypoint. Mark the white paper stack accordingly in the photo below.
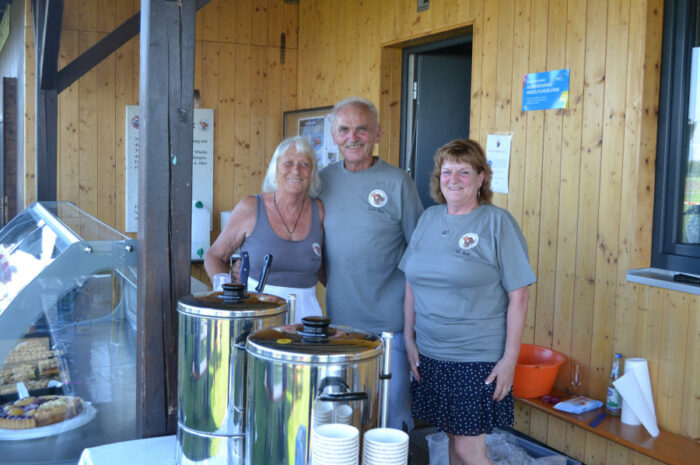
(637, 401)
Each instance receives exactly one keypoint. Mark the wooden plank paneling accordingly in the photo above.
(690, 412)
(551, 175)
(607, 247)
(227, 20)
(241, 177)
(502, 92)
(595, 450)
(291, 18)
(106, 141)
(588, 206)
(569, 183)
(71, 13)
(518, 124)
(244, 21)
(575, 444)
(273, 104)
(259, 23)
(489, 70)
(533, 171)
(106, 15)
(476, 12)
(626, 295)
(87, 128)
(124, 95)
(674, 334)
(68, 114)
(210, 21)
(87, 15)
(258, 155)
(224, 140)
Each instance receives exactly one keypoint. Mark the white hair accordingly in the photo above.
(354, 101)
(303, 147)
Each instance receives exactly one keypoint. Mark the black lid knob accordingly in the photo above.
(232, 293)
(315, 327)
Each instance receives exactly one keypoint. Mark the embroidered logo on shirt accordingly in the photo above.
(468, 241)
(377, 198)
(316, 248)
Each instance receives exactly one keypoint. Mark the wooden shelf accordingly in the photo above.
(666, 447)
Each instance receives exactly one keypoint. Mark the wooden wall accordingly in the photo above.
(581, 179)
(237, 70)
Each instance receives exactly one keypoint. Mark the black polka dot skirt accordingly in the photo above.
(454, 397)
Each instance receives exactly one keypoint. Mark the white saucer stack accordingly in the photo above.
(343, 414)
(385, 446)
(335, 444)
(322, 413)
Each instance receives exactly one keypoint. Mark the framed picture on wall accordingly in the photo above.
(315, 125)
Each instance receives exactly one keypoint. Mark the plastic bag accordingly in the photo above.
(578, 404)
(501, 448)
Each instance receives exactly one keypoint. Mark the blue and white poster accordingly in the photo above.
(546, 91)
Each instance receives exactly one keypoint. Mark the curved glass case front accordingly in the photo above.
(67, 330)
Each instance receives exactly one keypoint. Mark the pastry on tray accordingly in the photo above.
(32, 385)
(48, 367)
(32, 412)
(17, 374)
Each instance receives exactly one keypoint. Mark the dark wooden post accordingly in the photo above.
(165, 197)
(9, 204)
(47, 33)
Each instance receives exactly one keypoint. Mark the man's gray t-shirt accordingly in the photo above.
(369, 218)
(461, 268)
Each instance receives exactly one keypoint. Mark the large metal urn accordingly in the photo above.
(212, 371)
(301, 376)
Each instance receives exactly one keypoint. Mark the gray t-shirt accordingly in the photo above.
(461, 268)
(369, 218)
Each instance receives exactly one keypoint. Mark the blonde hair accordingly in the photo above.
(303, 147)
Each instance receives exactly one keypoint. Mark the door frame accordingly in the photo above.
(390, 85)
(408, 105)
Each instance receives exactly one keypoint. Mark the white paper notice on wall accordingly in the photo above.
(202, 162)
(498, 156)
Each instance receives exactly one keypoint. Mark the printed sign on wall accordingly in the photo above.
(546, 91)
(202, 162)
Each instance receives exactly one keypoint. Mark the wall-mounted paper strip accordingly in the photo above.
(635, 388)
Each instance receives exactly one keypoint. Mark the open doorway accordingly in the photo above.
(436, 81)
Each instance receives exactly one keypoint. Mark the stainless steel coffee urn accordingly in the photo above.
(212, 371)
(301, 376)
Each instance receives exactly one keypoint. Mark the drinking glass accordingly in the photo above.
(575, 376)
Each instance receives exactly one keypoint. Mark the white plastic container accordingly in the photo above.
(438, 448)
(201, 219)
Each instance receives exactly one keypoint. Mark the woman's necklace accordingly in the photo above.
(290, 231)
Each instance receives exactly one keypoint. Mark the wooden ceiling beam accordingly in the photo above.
(104, 48)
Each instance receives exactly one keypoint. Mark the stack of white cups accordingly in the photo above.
(335, 444)
(343, 414)
(322, 413)
(385, 446)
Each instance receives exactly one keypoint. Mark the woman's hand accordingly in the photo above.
(504, 370)
(503, 374)
(412, 355)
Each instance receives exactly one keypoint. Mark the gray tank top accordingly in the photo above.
(294, 263)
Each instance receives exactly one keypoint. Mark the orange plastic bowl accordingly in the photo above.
(536, 371)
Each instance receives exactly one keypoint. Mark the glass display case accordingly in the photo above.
(67, 335)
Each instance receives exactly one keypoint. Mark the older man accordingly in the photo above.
(371, 209)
